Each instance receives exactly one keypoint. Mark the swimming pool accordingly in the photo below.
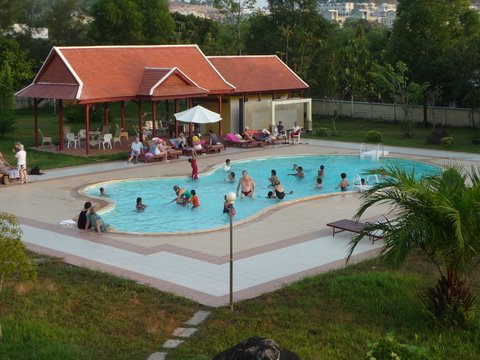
(161, 216)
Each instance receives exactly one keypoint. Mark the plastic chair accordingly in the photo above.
(45, 139)
(117, 137)
(106, 139)
(71, 138)
(82, 135)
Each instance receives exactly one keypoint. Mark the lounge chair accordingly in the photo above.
(152, 158)
(45, 139)
(354, 227)
(232, 140)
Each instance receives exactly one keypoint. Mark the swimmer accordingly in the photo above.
(343, 184)
(194, 199)
(273, 178)
(319, 182)
(279, 192)
(140, 206)
(321, 171)
(295, 167)
(230, 178)
(247, 184)
(183, 195)
(102, 192)
(228, 207)
(226, 168)
(299, 174)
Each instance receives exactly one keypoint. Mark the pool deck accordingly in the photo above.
(279, 247)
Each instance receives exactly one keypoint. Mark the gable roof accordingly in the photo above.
(167, 83)
(257, 73)
(109, 73)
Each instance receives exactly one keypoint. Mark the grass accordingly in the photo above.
(393, 134)
(75, 313)
(336, 315)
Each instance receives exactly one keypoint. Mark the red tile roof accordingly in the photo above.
(114, 72)
(257, 73)
(168, 83)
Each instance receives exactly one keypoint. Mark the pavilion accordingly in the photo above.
(245, 90)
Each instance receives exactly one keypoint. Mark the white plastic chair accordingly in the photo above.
(71, 138)
(106, 139)
(82, 135)
(116, 137)
(45, 139)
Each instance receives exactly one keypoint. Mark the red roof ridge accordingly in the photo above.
(216, 70)
(124, 46)
(239, 56)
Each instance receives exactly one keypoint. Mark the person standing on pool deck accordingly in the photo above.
(193, 163)
(343, 184)
(21, 156)
(247, 184)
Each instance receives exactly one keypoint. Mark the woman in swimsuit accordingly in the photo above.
(279, 190)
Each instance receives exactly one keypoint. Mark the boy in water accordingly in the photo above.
(140, 205)
(231, 177)
(343, 184)
(194, 199)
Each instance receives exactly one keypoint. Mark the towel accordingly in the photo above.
(67, 222)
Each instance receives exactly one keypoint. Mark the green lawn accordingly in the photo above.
(334, 316)
(74, 313)
(393, 134)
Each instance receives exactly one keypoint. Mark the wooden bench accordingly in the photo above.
(354, 227)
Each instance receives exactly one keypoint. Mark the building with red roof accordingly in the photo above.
(240, 88)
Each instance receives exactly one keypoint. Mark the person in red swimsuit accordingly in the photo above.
(193, 163)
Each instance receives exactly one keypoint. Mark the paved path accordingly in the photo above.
(281, 246)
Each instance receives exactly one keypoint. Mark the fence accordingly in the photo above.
(455, 117)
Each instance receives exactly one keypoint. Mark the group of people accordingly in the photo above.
(280, 133)
(89, 219)
(20, 172)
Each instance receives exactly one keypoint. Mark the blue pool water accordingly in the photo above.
(163, 217)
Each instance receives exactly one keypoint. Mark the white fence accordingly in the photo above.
(455, 117)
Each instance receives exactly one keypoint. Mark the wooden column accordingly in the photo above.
(35, 120)
(122, 114)
(176, 121)
(220, 130)
(60, 124)
(154, 118)
(140, 124)
(87, 128)
(105, 113)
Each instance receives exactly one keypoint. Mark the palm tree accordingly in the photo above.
(439, 215)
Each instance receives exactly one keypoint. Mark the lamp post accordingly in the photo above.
(231, 200)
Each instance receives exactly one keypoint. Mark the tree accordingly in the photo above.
(235, 10)
(191, 29)
(7, 100)
(67, 22)
(394, 82)
(14, 262)
(439, 40)
(438, 215)
(131, 22)
(17, 59)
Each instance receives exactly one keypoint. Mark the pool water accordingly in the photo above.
(162, 216)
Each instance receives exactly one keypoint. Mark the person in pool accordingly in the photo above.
(140, 205)
(319, 182)
(231, 177)
(343, 184)
(183, 195)
(299, 174)
(226, 168)
(273, 178)
(227, 207)
(321, 171)
(194, 199)
(103, 192)
(247, 184)
(279, 192)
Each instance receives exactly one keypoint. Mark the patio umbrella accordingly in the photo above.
(199, 115)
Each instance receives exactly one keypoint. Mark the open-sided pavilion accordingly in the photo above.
(100, 75)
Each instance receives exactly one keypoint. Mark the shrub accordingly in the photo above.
(436, 137)
(323, 131)
(447, 141)
(387, 347)
(373, 136)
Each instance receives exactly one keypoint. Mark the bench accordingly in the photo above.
(354, 227)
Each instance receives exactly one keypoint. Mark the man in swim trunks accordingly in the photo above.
(247, 184)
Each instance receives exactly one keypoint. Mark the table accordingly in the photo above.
(123, 134)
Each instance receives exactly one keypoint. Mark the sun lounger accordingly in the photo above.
(147, 159)
(232, 140)
(354, 227)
